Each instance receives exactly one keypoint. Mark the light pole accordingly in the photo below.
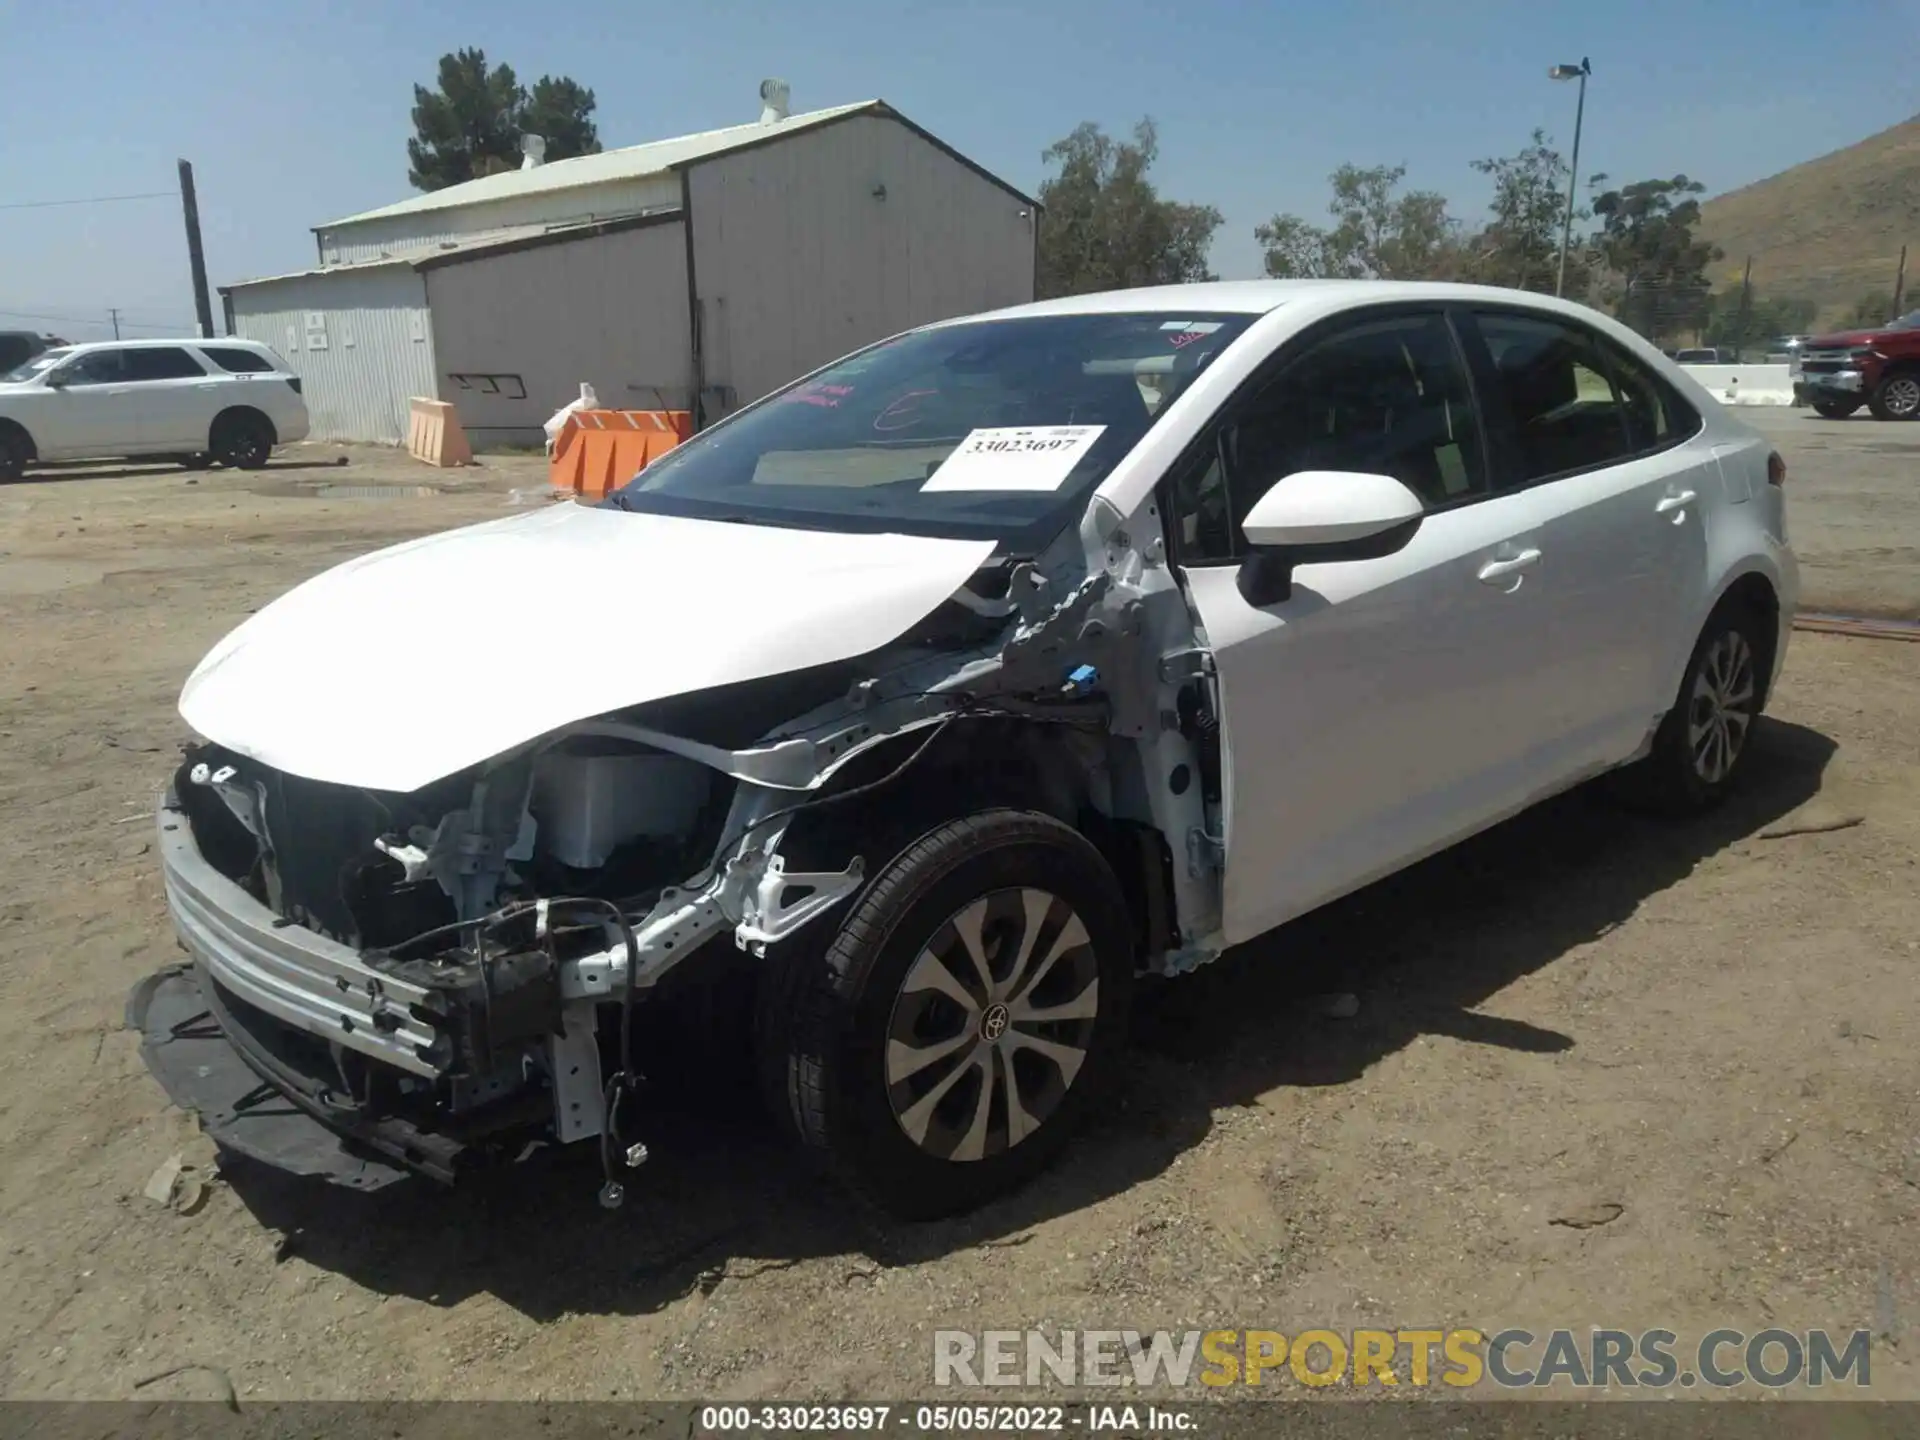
(1578, 72)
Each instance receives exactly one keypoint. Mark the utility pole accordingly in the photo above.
(114, 315)
(1571, 72)
(1900, 283)
(1746, 311)
(202, 304)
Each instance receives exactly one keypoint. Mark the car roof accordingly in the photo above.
(1258, 297)
(149, 344)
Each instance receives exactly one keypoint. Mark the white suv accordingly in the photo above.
(195, 401)
(940, 695)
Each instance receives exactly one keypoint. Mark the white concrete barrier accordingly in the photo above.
(1746, 384)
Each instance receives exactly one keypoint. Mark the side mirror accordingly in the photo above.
(1316, 516)
(59, 380)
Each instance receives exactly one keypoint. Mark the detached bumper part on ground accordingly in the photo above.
(187, 1047)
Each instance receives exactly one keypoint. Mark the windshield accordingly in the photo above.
(1908, 321)
(38, 365)
(991, 428)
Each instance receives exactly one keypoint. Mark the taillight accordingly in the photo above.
(1776, 470)
(294, 380)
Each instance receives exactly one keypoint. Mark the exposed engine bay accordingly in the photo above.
(491, 934)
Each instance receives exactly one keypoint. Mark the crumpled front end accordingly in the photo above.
(449, 976)
(444, 977)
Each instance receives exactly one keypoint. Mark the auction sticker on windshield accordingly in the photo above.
(1035, 459)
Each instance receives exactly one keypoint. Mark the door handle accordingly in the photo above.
(1494, 571)
(1675, 502)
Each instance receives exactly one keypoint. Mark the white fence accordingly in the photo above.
(1746, 384)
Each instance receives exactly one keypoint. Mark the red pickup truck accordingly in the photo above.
(1878, 368)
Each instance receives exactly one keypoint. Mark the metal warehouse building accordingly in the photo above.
(696, 273)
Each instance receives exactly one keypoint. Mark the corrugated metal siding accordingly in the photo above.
(798, 261)
(516, 334)
(360, 341)
(524, 214)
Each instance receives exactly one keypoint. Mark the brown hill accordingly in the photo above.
(1829, 230)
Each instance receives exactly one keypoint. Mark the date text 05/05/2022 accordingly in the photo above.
(944, 1419)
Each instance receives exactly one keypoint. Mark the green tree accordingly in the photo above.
(1520, 247)
(561, 111)
(471, 125)
(1106, 227)
(1378, 232)
(1656, 265)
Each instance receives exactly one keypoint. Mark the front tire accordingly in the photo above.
(942, 1048)
(1698, 749)
(1835, 409)
(15, 451)
(1897, 396)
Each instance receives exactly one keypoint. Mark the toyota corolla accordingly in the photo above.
(949, 690)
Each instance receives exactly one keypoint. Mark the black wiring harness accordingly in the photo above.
(624, 1078)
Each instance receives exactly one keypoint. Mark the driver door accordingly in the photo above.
(1387, 706)
(95, 412)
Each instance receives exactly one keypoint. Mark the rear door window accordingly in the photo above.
(162, 362)
(1553, 386)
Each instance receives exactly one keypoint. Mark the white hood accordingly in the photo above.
(413, 662)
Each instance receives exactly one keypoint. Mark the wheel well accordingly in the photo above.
(1755, 594)
(982, 763)
(243, 412)
(14, 427)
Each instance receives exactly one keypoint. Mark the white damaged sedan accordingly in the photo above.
(942, 694)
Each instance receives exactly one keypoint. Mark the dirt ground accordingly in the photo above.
(1708, 1027)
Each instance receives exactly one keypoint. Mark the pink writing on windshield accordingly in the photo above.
(903, 413)
(827, 397)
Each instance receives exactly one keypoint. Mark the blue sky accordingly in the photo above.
(297, 113)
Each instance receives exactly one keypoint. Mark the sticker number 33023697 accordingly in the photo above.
(1036, 458)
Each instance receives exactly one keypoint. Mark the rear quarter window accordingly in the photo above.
(237, 361)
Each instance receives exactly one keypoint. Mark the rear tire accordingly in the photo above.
(1698, 749)
(241, 441)
(1835, 409)
(924, 1084)
(1897, 396)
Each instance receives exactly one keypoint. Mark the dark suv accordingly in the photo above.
(1878, 368)
(19, 346)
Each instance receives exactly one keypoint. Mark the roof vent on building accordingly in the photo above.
(773, 101)
(533, 151)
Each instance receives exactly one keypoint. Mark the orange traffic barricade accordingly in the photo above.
(434, 433)
(600, 450)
